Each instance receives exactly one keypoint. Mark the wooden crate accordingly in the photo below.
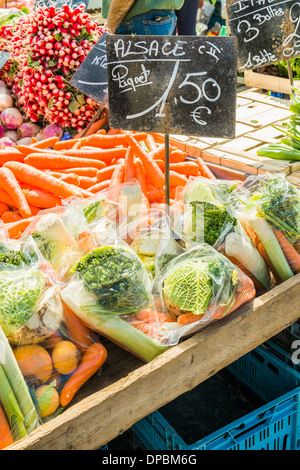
(128, 390)
(269, 82)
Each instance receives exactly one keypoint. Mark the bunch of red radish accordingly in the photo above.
(47, 46)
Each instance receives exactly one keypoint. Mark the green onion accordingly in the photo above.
(11, 407)
(18, 385)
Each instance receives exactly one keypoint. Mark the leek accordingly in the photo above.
(11, 407)
(272, 247)
(18, 386)
(110, 325)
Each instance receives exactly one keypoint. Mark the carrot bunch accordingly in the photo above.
(43, 174)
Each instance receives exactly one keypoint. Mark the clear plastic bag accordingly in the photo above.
(48, 353)
(205, 219)
(198, 287)
(268, 208)
(107, 288)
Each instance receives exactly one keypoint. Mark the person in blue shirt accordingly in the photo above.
(187, 16)
(142, 17)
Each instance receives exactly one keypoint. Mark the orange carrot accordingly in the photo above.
(117, 161)
(155, 194)
(161, 164)
(104, 155)
(177, 156)
(44, 144)
(242, 295)
(152, 316)
(204, 170)
(42, 199)
(67, 144)
(6, 437)
(15, 229)
(84, 182)
(187, 318)
(158, 153)
(40, 161)
(140, 176)
(177, 179)
(185, 168)
(3, 208)
(28, 149)
(10, 216)
(28, 174)
(117, 176)
(80, 335)
(81, 171)
(149, 329)
(92, 359)
(151, 168)
(9, 183)
(129, 165)
(291, 254)
(105, 173)
(6, 198)
(10, 155)
(111, 141)
(34, 210)
(150, 142)
(101, 186)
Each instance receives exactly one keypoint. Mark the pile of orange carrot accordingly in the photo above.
(41, 175)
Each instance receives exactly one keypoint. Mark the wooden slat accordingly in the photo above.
(105, 414)
(269, 82)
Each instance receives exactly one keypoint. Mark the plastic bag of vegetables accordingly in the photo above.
(268, 207)
(18, 414)
(107, 288)
(31, 307)
(200, 286)
(205, 219)
(55, 353)
(61, 233)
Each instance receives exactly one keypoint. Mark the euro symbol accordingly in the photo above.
(196, 115)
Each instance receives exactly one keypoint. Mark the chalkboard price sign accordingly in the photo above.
(91, 77)
(172, 84)
(268, 31)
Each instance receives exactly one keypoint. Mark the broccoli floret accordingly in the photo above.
(115, 277)
(214, 220)
(47, 247)
(12, 257)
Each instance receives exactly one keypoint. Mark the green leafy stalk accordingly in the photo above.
(11, 407)
(18, 386)
(122, 332)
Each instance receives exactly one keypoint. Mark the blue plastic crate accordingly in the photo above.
(268, 374)
(286, 337)
(272, 426)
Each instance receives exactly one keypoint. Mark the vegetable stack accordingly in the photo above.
(269, 209)
(49, 171)
(47, 46)
(289, 146)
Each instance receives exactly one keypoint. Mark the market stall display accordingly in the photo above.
(90, 254)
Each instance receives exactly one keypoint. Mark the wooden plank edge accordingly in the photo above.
(104, 415)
